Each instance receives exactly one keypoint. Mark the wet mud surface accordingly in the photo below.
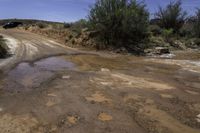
(26, 76)
(102, 94)
(91, 93)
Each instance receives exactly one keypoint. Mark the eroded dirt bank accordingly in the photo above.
(93, 94)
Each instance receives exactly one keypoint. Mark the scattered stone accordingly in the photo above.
(178, 44)
(50, 104)
(161, 50)
(52, 95)
(198, 118)
(104, 117)
(166, 96)
(121, 50)
(106, 83)
(169, 56)
(66, 77)
(105, 70)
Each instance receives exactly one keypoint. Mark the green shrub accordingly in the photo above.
(197, 24)
(167, 33)
(155, 30)
(41, 25)
(119, 22)
(172, 16)
(67, 25)
(3, 48)
(197, 41)
(56, 26)
(79, 25)
(186, 30)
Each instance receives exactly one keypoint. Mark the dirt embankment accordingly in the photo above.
(67, 37)
(3, 48)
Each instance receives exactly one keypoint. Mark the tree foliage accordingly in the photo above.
(172, 16)
(119, 22)
(197, 24)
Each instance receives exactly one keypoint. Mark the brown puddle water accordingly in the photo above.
(31, 75)
(27, 76)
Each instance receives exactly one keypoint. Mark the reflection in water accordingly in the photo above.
(54, 64)
(32, 75)
(27, 76)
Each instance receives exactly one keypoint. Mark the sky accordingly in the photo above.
(68, 10)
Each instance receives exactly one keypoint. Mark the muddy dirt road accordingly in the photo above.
(29, 47)
(41, 92)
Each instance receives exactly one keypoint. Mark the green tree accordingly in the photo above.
(172, 16)
(119, 22)
(197, 24)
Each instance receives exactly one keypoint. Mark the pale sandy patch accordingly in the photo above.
(98, 97)
(72, 119)
(166, 96)
(52, 95)
(105, 117)
(192, 92)
(142, 82)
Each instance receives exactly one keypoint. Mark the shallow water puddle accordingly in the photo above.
(54, 64)
(31, 75)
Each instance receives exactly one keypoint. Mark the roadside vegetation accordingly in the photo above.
(196, 27)
(125, 26)
(172, 17)
(120, 23)
(3, 48)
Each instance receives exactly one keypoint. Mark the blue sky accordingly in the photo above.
(67, 10)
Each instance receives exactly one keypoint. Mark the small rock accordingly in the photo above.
(66, 77)
(50, 104)
(106, 83)
(105, 70)
(52, 95)
(161, 50)
(169, 56)
(198, 120)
